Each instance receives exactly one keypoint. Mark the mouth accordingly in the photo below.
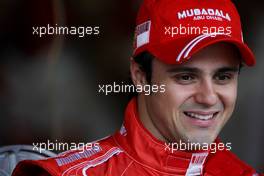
(201, 119)
(201, 115)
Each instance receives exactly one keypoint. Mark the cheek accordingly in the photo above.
(165, 106)
(228, 97)
(173, 97)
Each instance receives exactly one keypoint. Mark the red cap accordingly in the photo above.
(174, 30)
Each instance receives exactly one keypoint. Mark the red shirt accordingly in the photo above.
(133, 151)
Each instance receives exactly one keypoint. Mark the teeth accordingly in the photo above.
(199, 116)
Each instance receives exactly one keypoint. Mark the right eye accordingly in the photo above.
(185, 78)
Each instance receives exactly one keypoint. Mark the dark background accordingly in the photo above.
(49, 85)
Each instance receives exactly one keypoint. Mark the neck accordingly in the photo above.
(146, 119)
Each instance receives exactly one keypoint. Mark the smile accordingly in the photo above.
(201, 116)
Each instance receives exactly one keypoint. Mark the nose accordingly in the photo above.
(206, 94)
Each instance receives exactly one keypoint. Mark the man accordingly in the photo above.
(195, 50)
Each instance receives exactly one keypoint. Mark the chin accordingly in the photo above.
(201, 139)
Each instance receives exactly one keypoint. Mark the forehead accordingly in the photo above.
(211, 57)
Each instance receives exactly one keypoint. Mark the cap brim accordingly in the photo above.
(181, 50)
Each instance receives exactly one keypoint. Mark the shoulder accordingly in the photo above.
(226, 163)
(83, 159)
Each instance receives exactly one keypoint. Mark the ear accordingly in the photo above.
(137, 75)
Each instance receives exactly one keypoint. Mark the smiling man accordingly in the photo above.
(199, 99)
(196, 50)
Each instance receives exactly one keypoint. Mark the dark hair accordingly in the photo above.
(144, 60)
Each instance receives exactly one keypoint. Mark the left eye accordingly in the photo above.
(223, 78)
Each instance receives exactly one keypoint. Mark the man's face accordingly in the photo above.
(200, 95)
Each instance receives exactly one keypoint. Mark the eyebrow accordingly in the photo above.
(197, 70)
(228, 69)
(184, 69)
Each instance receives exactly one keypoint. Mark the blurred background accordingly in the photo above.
(49, 85)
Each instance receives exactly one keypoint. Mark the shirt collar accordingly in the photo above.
(142, 146)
